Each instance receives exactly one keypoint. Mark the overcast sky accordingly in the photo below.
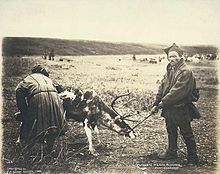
(142, 21)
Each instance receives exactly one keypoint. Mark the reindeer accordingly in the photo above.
(87, 107)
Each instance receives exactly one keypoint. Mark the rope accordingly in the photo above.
(142, 121)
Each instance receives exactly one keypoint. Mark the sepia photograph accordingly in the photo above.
(110, 87)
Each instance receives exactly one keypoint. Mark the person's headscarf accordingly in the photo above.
(40, 69)
(174, 47)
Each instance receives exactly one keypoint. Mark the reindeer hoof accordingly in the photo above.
(18, 143)
(93, 153)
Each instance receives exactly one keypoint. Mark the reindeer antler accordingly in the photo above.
(129, 101)
(127, 115)
(113, 102)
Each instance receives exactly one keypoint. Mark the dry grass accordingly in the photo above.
(110, 76)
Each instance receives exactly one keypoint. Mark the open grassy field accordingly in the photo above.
(110, 76)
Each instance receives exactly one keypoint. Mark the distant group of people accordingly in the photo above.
(43, 115)
(50, 56)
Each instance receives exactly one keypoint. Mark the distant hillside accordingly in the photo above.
(191, 50)
(14, 46)
(37, 46)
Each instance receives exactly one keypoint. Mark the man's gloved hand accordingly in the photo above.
(154, 110)
(18, 116)
(160, 106)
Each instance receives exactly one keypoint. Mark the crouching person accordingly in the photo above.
(42, 113)
(175, 97)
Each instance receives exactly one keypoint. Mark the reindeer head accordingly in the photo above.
(126, 130)
(114, 121)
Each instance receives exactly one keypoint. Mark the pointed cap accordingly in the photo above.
(174, 47)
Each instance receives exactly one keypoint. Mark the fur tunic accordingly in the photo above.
(40, 105)
(176, 89)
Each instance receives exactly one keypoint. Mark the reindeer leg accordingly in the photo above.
(97, 134)
(89, 136)
(18, 142)
(42, 152)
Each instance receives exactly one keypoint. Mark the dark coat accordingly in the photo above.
(176, 90)
(40, 105)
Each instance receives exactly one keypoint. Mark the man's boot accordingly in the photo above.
(192, 158)
(169, 154)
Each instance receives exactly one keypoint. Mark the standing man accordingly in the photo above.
(175, 96)
(41, 109)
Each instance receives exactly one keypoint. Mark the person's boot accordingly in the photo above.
(169, 154)
(192, 160)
